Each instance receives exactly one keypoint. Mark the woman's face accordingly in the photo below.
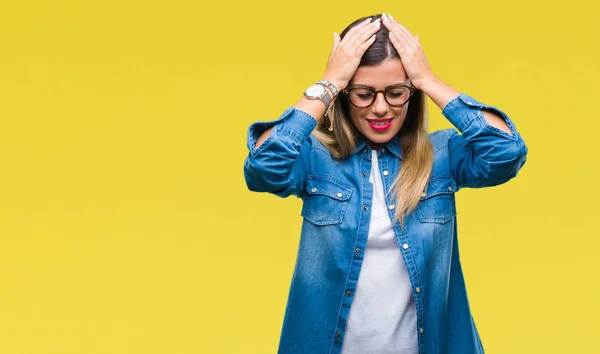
(379, 122)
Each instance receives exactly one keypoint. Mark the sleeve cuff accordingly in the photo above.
(293, 122)
(463, 110)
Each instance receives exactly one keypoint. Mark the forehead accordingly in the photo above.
(389, 72)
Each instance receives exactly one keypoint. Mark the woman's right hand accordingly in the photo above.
(347, 53)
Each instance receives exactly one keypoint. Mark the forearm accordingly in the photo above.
(441, 93)
(316, 108)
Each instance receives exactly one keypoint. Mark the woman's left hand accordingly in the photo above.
(411, 54)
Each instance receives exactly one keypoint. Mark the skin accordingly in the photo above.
(389, 72)
(342, 68)
(418, 70)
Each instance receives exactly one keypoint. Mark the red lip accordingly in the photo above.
(380, 127)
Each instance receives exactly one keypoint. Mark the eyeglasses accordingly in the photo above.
(364, 96)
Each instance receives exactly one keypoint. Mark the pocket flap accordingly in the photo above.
(439, 186)
(328, 187)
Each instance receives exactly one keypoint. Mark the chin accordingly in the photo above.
(380, 139)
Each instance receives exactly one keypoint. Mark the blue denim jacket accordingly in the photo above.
(337, 197)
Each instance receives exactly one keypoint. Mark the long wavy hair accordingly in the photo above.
(417, 151)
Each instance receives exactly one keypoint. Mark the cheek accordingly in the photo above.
(401, 114)
(402, 111)
(354, 116)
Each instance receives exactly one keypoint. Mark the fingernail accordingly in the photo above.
(390, 16)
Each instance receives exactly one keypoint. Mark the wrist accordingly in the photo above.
(426, 84)
(319, 91)
(339, 85)
(330, 88)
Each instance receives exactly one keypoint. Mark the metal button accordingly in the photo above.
(417, 289)
(392, 207)
(423, 194)
(385, 173)
(449, 188)
(421, 330)
(365, 207)
(337, 334)
(313, 190)
(364, 174)
(347, 293)
(382, 150)
(405, 246)
(339, 195)
(357, 250)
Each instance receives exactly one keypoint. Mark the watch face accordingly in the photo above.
(315, 91)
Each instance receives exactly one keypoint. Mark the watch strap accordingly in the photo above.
(329, 85)
(324, 97)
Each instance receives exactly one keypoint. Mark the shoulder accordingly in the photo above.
(441, 152)
(319, 150)
(316, 145)
(440, 139)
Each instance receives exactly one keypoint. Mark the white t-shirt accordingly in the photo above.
(383, 317)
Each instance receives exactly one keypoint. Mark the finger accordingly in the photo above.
(360, 37)
(363, 47)
(400, 35)
(417, 37)
(402, 30)
(406, 42)
(355, 29)
(336, 42)
(352, 35)
(399, 44)
(393, 26)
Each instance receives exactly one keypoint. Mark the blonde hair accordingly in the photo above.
(417, 151)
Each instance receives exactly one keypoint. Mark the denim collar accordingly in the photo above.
(393, 146)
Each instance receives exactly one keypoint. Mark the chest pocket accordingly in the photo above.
(325, 201)
(437, 203)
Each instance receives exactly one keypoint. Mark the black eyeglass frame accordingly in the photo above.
(376, 92)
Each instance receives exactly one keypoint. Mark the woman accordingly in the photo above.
(378, 197)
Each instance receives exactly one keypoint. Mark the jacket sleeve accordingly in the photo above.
(280, 164)
(483, 155)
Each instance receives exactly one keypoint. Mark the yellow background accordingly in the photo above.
(125, 222)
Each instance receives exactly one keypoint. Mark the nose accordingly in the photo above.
(380, 106)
